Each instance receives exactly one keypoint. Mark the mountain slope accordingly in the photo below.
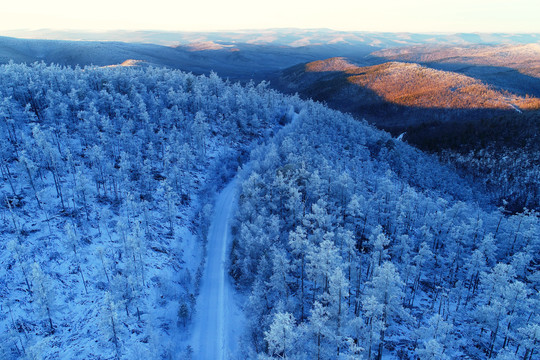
(412, 87)
(475, 125)
(515, 68)
(524, 58)
(353, 244)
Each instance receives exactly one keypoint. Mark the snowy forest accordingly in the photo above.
(346, 242)
(107, 183)
(354, 245)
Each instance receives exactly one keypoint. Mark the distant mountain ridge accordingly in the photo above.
(283, 36)
(524, 57)
(241, 61)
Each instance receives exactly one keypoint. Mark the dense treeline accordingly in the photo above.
(501, 152)
(354, 245)
(105, 173)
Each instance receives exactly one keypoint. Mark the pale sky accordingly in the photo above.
(352, 15)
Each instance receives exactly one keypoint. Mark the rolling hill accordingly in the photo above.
(524, 58)
(488, 132)
(391, 90)
(237, 61)
(515, 67)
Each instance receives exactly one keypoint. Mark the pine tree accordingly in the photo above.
(110, 323)
(299, 247)
(386, 291)
(318, 328)
(281, 336)
(43, 293)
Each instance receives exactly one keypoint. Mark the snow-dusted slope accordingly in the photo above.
(216, 326)
(100, 264)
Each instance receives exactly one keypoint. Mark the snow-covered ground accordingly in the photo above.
(217, 323)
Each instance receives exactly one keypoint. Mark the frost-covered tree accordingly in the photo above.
(386, 289)
(111, 326)
(503, 303)
(300, 245)
(44, 294)
(432, 350)
(281, 336)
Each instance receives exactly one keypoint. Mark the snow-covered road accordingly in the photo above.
(217, 321)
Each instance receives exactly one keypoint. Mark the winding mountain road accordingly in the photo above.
(216, 324)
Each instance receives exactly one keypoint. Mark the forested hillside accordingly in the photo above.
(347, 243)
(523, 57)
(107, 178)
(354, 245)
(398, 94)
(488, 133)
(501, 152)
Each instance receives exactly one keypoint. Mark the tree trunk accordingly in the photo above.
(50, 319)
(83, 281)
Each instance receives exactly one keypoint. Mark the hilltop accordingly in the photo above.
(419, 86)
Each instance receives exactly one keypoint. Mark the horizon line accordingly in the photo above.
(254, 30)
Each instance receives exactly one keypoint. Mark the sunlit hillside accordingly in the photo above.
(418, 86)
